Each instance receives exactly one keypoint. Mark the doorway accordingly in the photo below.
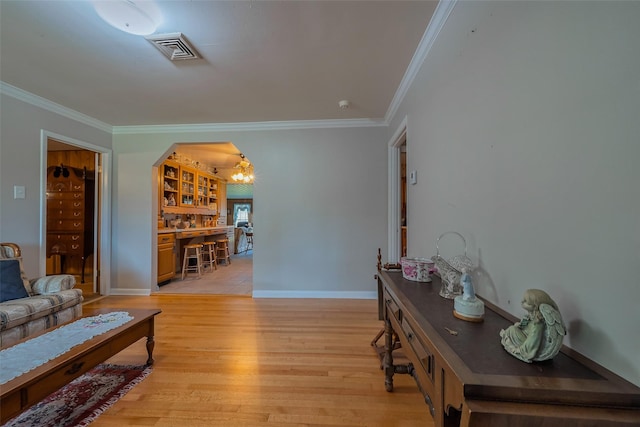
(403, 198)
(75, 212)
(215, 162)
(398, 227)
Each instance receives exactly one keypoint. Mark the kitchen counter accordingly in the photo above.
(172, 241)
(199, 231)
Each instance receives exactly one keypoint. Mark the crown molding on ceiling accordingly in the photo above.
(248, 126)
(44, 103)
(439, 18)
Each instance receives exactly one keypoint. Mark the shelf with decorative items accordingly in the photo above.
(187, 186)
(202, 190)
(212, 202)
(170, 184)
(187, 190)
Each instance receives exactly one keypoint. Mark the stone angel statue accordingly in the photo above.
(538, 335)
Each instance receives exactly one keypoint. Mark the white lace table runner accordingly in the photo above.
(23, 357)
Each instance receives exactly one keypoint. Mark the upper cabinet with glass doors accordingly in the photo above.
(187, 186)
(203, 190)
(188, 190)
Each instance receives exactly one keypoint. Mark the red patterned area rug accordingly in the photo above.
(83, 400)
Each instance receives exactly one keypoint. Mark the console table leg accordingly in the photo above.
(150, 345)
(387, 363)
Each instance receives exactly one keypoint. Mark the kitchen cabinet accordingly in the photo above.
(187, 190)
(166, 256)
(203, 191)
(212, 203)
(187, 186)
(170, 184)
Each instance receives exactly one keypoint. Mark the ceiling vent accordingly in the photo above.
(174, 46)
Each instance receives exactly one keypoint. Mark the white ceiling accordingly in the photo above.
(262, 61)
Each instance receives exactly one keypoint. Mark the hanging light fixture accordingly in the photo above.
(139, 17)
(244, 171)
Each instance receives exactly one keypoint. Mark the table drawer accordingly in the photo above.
(61, 376)
(393, 308)
(423, 362)
(423, 353)
(11, 404)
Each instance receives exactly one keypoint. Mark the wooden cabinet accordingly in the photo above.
(187, 186)
(202, 190)
(70, 207)
(212, 203)
(468, 380)
(170, 184)
(222, 206)
(166, 256)
(186, 190)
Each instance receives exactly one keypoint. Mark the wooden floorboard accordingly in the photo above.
(237, 361)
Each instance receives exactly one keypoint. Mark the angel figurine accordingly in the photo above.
(538, 335)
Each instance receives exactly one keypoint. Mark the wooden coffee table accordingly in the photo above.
(33, 386)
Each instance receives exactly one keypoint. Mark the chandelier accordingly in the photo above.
(244, 171)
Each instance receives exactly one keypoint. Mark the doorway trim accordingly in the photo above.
(394, 200)
(104, 214)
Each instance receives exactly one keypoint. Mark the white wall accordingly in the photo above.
(21, 124)
(523, 125)
(319, 203)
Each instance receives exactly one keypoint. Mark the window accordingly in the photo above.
(241, 213)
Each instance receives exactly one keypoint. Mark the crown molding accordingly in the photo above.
(44, 103)
(439, 18)
(38, 101)
(248, 126)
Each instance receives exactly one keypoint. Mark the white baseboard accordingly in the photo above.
(129, 292)
(315, 294)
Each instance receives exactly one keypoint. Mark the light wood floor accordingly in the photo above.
(237, 361)
(233, 279)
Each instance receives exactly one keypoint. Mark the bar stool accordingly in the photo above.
(192, 251)
(222, 251)
(209, 255)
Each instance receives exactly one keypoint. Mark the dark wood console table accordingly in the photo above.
(469, 380)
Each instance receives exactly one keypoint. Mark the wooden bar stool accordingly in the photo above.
(209, 255)
(222, 251)
(192, 252)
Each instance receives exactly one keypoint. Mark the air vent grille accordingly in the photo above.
(174, 46)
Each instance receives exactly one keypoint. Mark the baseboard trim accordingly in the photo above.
(130, 292)
(315, 294)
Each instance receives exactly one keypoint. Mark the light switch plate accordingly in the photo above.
(413, 177)
(18, 192)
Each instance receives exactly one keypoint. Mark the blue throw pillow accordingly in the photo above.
(11, 286)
